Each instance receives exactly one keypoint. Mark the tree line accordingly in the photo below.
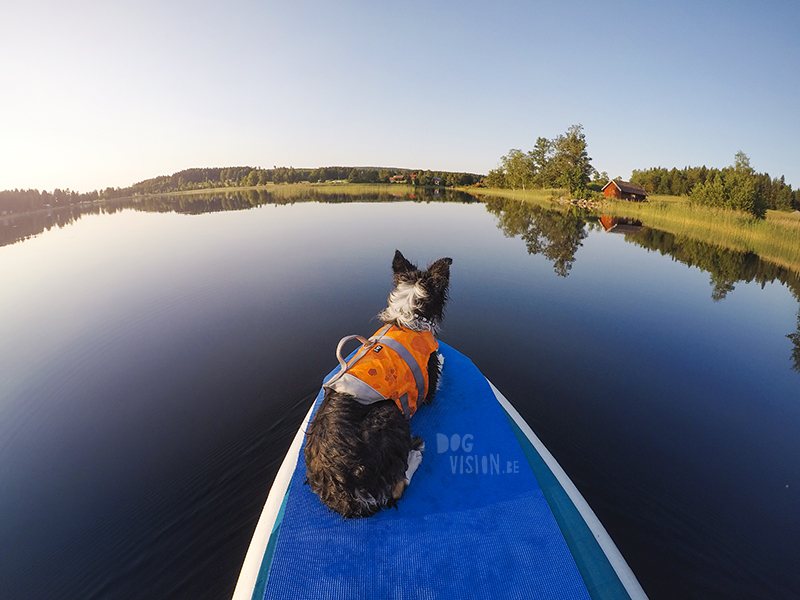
(254, 176)
(562, 162)
(18, 201)
(737, 187)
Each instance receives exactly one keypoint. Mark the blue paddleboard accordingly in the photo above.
(489, 514)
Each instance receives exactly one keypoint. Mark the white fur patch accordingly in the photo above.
(441, 369)
(402, 304)
(366, 499)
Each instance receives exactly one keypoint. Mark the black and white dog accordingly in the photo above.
(359, 452)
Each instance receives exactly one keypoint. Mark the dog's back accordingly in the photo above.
(356, 454)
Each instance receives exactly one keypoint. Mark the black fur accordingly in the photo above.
(357, 455)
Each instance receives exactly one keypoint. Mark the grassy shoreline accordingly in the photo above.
(775, 239)
(295, 189)
(544, 198)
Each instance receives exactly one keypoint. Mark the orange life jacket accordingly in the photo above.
(391, 365)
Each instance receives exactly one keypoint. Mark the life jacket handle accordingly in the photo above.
(342, 362)
(366, 344)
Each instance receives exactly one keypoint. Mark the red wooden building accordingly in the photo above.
(624, 190)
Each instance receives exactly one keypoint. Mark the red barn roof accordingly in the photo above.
(627, 187)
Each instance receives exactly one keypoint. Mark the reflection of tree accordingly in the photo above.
(246, 199)
(18, 227)
(727, 267)
(795, 337)
(721, 288)
(554, 234)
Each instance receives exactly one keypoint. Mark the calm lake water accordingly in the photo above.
(156, 361)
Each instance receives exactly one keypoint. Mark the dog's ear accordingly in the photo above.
(400, 264)
(441, 268)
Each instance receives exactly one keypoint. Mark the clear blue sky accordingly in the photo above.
(97, 93)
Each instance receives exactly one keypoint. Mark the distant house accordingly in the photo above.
(397, 178)
(437, 180)
(624, 190)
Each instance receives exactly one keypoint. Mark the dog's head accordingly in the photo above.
(418, 299)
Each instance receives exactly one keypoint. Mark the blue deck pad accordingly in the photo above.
(473, 523)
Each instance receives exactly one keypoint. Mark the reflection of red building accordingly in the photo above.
(620, 224)
(624, 190)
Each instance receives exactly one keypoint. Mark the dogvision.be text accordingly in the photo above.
(466, 463)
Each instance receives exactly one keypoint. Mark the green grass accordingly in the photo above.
(776, 238)
(292, 190)
(544, 198)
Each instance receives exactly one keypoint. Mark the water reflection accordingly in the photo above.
(727, 267)
(249, 198)
(795, 338)
(620, 224)
(554, 234)
(17, 228)
(156, 369)
(20, 227)
(557, 234)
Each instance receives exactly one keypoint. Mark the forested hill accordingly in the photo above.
(18, 201)
(719, 187)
